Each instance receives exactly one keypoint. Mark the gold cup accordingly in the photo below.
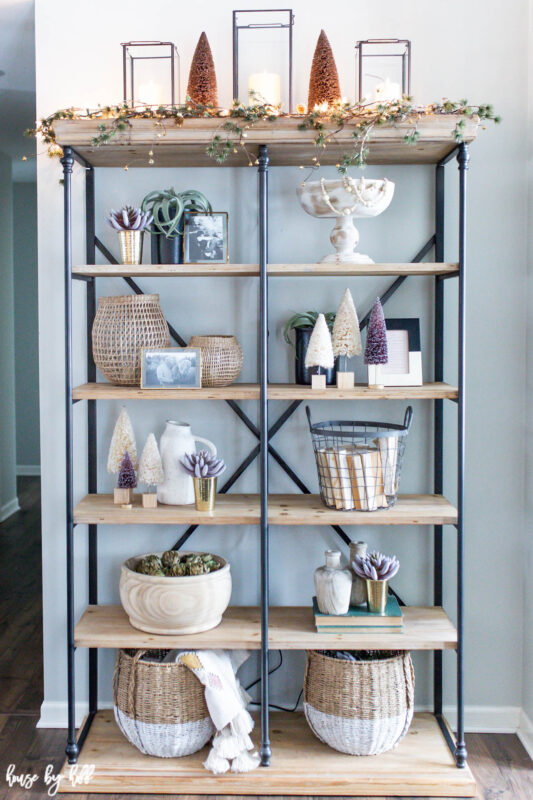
(131, 246)
(205, 490)
(376, 595)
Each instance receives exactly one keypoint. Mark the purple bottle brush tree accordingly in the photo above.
(376, 349)
(126, 474)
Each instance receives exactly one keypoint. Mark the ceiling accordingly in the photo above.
(17, 85)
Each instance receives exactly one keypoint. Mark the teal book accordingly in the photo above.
(359, 616)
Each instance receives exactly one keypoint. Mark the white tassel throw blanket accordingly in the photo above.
(226, 701)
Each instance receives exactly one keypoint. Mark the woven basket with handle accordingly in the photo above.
(122, 327)
(359, 707)
(160, 708)
(221, 359)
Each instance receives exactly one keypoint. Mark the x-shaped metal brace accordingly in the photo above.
(289, 411)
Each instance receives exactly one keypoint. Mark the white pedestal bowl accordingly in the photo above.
(343, 199)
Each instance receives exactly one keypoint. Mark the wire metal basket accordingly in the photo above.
(359, 462)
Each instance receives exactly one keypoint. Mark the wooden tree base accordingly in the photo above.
(318, 381)
(123, 497)
(345, 380)
(149, 499)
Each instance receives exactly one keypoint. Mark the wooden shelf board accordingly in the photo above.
(186, 145)
(421, 765)
(252, 270)
(290, 628)
(276, 391)
(284, 509)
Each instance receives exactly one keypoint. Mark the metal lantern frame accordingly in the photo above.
(128, 67)
(405, 56)
(262, 25)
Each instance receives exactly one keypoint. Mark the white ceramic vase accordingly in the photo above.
(333, 585)
(358, 595)
(178, 489)
(344, 199)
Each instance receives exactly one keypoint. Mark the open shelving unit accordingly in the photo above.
(431, 760)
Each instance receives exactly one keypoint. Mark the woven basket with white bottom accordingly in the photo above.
(359, 707)
(160, 708)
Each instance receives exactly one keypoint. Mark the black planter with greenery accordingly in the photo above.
(169, 208)
(302, 324)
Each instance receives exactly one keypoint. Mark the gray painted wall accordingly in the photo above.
(496, 284)
(8, 481)
(26, 325)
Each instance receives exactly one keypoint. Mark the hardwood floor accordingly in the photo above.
(499, 762)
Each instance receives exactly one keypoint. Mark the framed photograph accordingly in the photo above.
(171, 368)
(405, 357)
(206, 238)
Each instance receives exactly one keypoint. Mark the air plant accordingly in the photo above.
(167, 208)
(203, 465)
(376, 566)
(305, 319)
(129, 219)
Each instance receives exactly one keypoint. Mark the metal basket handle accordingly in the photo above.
(308, 412)
(408, 417)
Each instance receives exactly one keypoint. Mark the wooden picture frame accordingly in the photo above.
(171, 368)
(405, 355)
(205, 238)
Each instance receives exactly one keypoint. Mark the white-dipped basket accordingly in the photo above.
(359, 707)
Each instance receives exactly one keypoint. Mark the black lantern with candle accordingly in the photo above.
(262, 57)
(150, 73)
(383, 70)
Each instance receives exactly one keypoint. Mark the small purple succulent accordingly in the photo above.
(203, 465)
(376, 566)
(129, 219)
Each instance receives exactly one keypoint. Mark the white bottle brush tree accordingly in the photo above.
(346, 333)
(319, 350)
(150, 465)
(122, 441)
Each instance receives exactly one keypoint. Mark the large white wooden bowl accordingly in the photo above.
(343, 199)
(160, 604)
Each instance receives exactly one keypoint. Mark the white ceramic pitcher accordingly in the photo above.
(177, 440)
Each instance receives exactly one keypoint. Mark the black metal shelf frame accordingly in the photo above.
(264, 433)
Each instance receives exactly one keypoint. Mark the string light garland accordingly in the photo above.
(236, 121)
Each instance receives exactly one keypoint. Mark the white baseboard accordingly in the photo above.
(525, 732)
(28, 469)
(478, 719)
(9, 508)
(55, 714)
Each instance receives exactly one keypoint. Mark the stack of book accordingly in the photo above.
(359, 620)
(360, 478)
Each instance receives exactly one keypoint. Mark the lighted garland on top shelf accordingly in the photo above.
(237, 120)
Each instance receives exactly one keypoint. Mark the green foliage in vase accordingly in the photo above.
(173, 564)
(168, 207)
(305, 319)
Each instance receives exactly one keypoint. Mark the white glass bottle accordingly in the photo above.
(333, 585)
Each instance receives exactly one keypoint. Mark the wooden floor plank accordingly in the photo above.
(301, 765)
(290, 628)
(284, 509)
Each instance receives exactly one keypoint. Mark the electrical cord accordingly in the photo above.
(273, 705)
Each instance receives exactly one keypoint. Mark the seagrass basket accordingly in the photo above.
(221, 359)
(122, 327)
(160, 708)
(359, 707)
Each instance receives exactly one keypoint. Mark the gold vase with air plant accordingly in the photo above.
(204, 468)
(376, 570)
(130, 224)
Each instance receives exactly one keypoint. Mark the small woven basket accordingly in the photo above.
(160, 708)
(221, 359)
(359, 707)
(122, 327)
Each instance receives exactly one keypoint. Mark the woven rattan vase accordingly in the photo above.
(221, 359)
(359, 707)
(122, 327)
(160, 708)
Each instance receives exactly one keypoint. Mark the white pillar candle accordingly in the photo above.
(387, 90)
(266, 86)
(149, 93)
